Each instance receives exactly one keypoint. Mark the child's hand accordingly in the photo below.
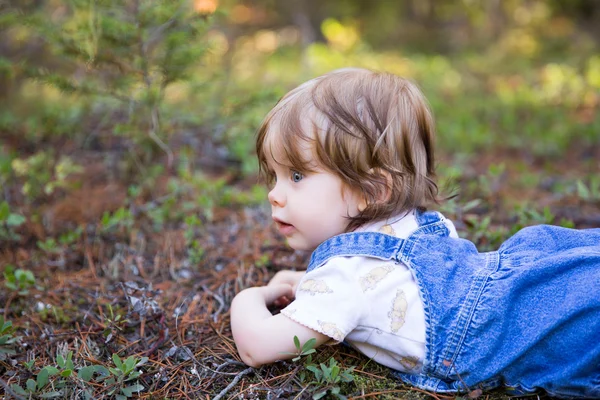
(288, 277)
(273, 293)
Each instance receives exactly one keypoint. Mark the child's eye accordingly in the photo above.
(296, 176)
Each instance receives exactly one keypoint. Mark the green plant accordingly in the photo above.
(63, 376)
(8, 222)
(529, 216)
(29, 364)
(163, 212)
(18, 279)
(59, 247)
(63, 370)
(327, 377)
(7, 339)
(41, 175)
(490, 184)
(589, 192)
(49, 246)
(306, 349)
(124, 373)
(483, 234)
(129, 53)
(194, 248)
(122, 219)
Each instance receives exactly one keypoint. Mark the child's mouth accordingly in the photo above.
(284, 228)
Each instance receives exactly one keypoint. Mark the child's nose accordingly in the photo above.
(276, 196)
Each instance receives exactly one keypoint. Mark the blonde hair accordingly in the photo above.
(372, 129)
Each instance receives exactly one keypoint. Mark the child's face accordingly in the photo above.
(309, 209)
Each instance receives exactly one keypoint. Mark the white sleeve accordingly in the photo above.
(451, 228)
(328, 300)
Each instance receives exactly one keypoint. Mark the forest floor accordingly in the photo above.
(135, 291)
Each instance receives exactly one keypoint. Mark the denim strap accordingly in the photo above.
(369, 244)
(375, 244)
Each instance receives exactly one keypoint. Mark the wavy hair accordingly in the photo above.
(374, 130)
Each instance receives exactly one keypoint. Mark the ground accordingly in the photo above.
(131, 287)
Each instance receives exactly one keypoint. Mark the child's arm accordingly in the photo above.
(260, 337)
(288, 276)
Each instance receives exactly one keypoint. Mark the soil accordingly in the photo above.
(135, 292)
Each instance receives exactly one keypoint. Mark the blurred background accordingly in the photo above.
(110, 107)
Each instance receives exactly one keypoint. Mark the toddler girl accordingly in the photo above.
(350, 156)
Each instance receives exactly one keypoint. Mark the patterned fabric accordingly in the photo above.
(372, 305)
(526, 317)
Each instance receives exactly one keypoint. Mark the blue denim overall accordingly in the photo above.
(526, 316)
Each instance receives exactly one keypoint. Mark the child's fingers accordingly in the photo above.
(281, 277)
(286, 276)
(274, 292)
(282, 302)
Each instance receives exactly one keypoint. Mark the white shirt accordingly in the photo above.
(373, 305)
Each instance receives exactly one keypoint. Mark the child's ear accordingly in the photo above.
(383, 192)
(362, 204)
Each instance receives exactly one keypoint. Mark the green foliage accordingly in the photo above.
(9, 221)
(305, 350)
(326, 377)
(54, 381)
(527, 215)
(7, 339)
(122, 220)
(122, 376)
(19, 280)
(483, 234)
(41, 176)
(131, 54)
(591, 191)
(65, 241)
(490, 184)
(194, 248)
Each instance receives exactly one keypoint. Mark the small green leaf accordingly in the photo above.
(117, 360)
(66, 373)
(4, 326)
(10, 352)
(4, 211)
(583, 191)
(86, 373)
(130, 390)
(42, 378)
(101, 370)
(132, 375)
(60, 360)
(18, 389)
(52, 395)
(129, 363)
(31, 385)
(51, 370)
(15, 220)
(318, 395)
(297, 342)
(309, 345)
